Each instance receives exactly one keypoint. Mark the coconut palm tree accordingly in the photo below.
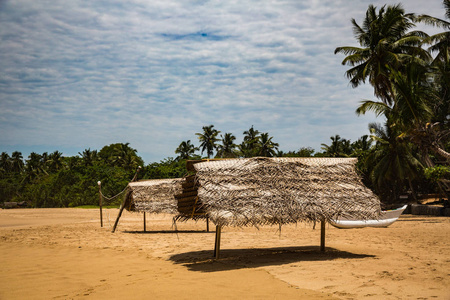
(34, 167)
(88, 156)
(392, 164)
(441, 107)
(44, 159)
(386, 44)
(55, 161)
(251, 137)
(440, 45)
(208, 140)
(228, 148)
(419, 108)
(364, 143)
(185, 150)
(416, 91)
(412, 110)
(5, 162)
(266, 147)
(126, 157)
(246, 150)
(346, 147)
(17, 162)
(335, 148)
(440, 42)
(249, 145)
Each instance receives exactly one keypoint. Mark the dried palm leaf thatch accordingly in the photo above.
(153, 196)
(258, 191)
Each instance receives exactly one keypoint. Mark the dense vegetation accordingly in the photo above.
(408, 153)
(410, 73)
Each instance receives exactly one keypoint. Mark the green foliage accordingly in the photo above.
(411, 83)
(437, 173)
(208, 139)
(167, 168)
(302, 152)
(338, 148)
(50, 180)
(228, 148)
(185, 150)
(121, 155)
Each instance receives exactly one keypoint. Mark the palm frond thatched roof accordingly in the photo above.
(153, 196)
(258, 191)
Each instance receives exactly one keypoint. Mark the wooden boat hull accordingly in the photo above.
(386, 219)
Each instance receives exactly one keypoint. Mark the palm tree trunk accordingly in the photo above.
(413, 192)
(441, 152)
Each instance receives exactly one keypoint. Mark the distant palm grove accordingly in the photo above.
(406, 154)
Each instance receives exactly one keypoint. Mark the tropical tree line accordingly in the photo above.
(255, 143)
(52, 180)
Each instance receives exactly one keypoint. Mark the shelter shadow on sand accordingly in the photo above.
(167, 231)
(232, 259)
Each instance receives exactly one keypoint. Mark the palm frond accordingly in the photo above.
(348, 50)
(436, 22)
(377, 107)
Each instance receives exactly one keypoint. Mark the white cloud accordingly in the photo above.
(79, 75)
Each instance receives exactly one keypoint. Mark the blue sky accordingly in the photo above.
(85, 74)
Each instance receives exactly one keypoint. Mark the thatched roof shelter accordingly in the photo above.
(258, 191)
(153, 196)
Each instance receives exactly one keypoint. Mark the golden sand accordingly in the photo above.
(65, 254)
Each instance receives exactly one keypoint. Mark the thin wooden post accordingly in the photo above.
(120, 214)
(100, 201)
(322, 235)
(217, 243)
(145, 228)
(124, 201)
(207, 224)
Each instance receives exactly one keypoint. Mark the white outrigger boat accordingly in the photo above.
(387, 217)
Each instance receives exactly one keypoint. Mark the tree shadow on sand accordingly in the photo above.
(232, 259)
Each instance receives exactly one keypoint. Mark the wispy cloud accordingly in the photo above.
(79, 74)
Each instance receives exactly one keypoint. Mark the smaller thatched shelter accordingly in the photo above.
(153, 196)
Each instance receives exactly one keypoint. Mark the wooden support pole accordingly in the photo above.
(145, 226)
(124, 201)
(207, 224)
(217, 243)
(118, 216)
(100, 202)
(322, 235)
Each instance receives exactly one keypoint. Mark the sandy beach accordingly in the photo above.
(65, 254)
